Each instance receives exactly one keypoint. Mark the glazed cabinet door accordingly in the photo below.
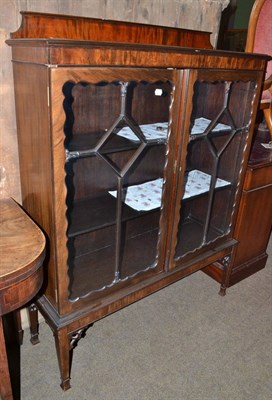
(215, 130)
(111, 130)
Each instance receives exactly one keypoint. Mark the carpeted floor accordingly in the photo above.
(182, 343)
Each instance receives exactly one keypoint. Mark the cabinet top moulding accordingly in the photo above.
(58, 52)
(44, 25)
(51, 39)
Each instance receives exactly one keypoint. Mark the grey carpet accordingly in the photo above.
(182, 343)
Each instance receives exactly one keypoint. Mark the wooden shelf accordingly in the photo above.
(92, 272)
(191, 236)
(95, 270)
(117, 142)
(83, 145)
(87, 142)
(93, 213)
(201, 124)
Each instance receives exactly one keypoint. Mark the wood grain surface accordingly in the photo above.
(21, 243)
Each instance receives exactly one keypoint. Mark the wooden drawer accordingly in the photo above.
(258, 176)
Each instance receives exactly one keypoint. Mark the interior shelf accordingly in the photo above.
(122, 139)
(152, 132)
(191, 236)
(201, 124)
(83, 142)
(98, 212)
(147, 196)
(93, 213)
(91, 271)
(125, 139)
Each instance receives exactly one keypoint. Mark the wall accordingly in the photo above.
(190, 14)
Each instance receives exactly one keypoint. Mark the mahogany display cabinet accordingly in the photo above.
(133, 147)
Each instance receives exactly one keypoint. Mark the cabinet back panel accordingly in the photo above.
(209, 101)
(146, 106)
(220, 212)
(95, 107)
(200, 156)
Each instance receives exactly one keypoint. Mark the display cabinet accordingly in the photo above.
(132, 159)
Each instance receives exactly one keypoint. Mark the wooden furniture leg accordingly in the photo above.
(64, 353)
(227, 262)
(5, 383)
(34, 323)
(18, 324)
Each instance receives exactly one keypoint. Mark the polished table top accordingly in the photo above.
(22, 244)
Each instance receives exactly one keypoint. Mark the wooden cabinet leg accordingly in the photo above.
(5, 383)
(64, 353)
(227, 263)
(34, 324)
(65, 344)
(222, 291)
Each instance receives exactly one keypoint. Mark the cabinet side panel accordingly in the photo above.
(33, 131)
(253, 224)
(59, 199)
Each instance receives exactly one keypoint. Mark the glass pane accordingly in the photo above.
(116, 136)
(218, 129)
